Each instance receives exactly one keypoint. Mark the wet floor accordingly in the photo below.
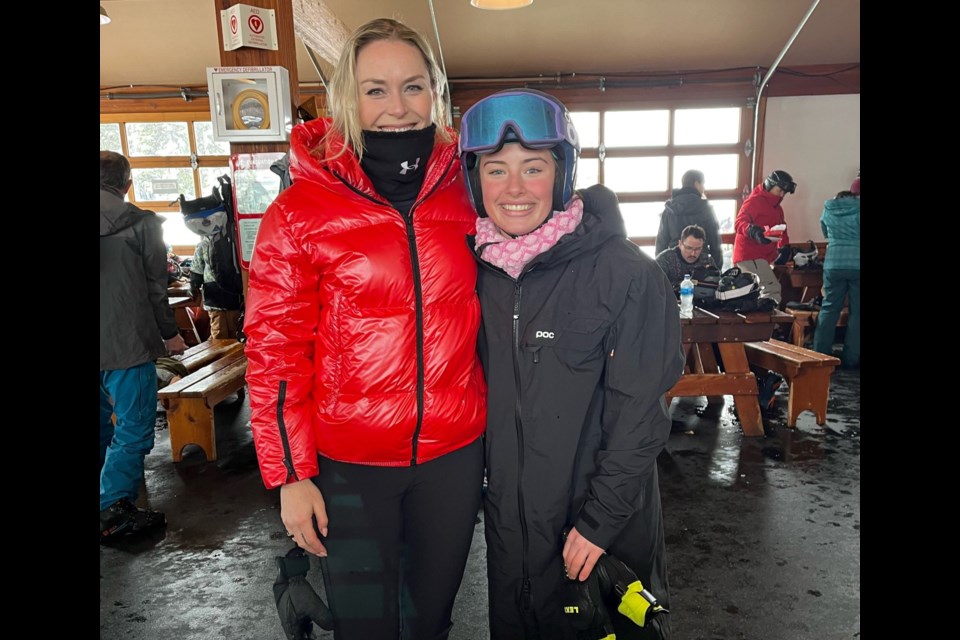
(763, 534)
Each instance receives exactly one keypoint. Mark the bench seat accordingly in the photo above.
(208, 351)
(805, 322)
(190, 402)
(807, 372)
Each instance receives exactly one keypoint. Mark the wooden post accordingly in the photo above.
(285, 56)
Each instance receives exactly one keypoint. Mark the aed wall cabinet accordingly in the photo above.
(249, 104)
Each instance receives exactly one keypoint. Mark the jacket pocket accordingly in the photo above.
(576, 341)
(581, 334)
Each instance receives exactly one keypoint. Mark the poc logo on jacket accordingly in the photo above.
(545, 336)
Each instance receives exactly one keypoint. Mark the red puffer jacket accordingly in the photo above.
(763, 209)
(361, 322)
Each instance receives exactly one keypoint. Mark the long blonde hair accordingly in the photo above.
(345, 93)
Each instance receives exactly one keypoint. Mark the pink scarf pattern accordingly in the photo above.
(513, 254)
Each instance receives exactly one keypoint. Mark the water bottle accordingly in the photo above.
(686, 297)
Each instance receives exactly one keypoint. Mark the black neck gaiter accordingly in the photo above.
(397, 163)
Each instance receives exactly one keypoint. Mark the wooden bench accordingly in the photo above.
(805, 322)
(190, 402)
(208, 351)
(807, 372)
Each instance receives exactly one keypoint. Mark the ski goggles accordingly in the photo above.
(536, 121)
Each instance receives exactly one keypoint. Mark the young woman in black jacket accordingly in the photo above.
(580, 339)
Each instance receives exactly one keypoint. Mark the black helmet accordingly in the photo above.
(737, 285)
(782, 179)
(740, 291)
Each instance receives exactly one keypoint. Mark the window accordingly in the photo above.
(169, 154)
(641, 154)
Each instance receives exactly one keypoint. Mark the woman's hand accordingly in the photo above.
(579, 556)
(300, 502)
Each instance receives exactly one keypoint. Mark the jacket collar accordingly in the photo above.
(310, 140)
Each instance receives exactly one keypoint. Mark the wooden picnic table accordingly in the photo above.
(709, 334)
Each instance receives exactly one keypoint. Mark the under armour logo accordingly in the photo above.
(406, 166)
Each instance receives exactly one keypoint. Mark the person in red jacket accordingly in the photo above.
(366, 394)
(762, 231)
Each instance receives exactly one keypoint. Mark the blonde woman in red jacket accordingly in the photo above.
(367, 398)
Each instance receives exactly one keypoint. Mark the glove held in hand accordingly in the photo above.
(755, 233)
(298, 604)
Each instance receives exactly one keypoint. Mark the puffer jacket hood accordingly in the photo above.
(317, 139)
(362, 321)
(842, 207)
(683, 200)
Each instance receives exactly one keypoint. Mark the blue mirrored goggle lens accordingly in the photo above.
(536, 121)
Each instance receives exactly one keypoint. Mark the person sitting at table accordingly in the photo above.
(683, 259)
(759, 219)
(689, 206)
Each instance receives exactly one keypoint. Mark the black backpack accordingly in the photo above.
(213, 216)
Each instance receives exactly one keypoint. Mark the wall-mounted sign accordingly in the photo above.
(255, 186)
(165, 187)
(246, 26)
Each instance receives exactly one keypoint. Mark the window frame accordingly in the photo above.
(194, 162)
(670, 150)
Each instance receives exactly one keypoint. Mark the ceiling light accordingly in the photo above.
(104, 18)
(500, 4)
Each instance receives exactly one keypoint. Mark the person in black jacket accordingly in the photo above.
(580, 339)
(689, 206)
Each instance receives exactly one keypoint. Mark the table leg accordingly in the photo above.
(187, 328)
(734, 358)
(709, 364)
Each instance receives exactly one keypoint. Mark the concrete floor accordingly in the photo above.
(763, 534)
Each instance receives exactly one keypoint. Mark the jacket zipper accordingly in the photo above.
(417, 292)
(525, 599)
(418, 295)
(284, 439)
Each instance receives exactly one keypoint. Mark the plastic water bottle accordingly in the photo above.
(686, 297)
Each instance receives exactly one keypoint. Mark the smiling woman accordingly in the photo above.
(517, 186)
(366, 395)
(582, 331)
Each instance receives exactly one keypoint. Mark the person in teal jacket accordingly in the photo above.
(840, 222)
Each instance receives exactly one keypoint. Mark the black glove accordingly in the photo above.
(298, 604)
(786, 252)
(755, 233)
(584, 609)
(196, 283)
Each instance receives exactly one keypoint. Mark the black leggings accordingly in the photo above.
(398, 540)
